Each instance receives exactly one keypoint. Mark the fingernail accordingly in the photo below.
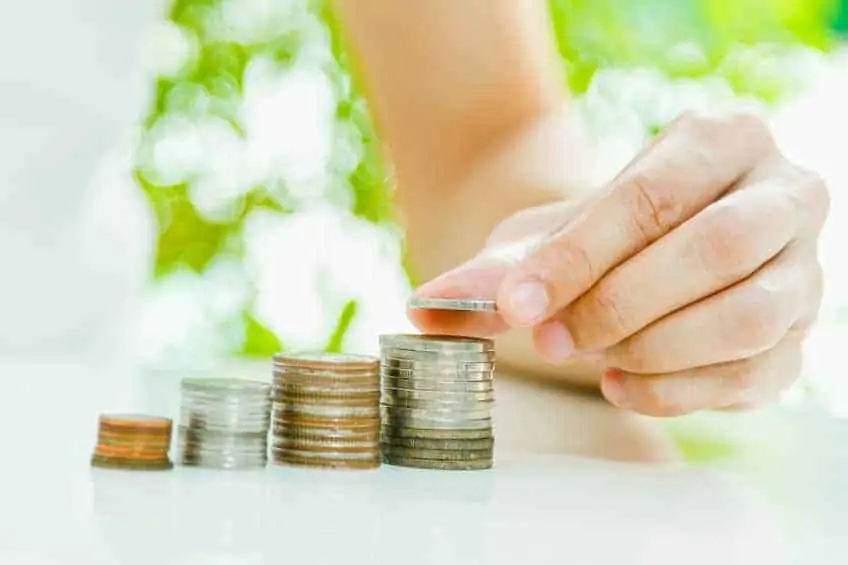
(528, 302)
(554, 341)
(612, 385)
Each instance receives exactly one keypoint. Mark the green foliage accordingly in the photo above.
(334, 344)
(591, 34)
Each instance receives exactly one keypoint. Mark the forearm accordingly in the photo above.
(447, 81)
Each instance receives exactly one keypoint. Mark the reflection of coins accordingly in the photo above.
(437, 398)
(326, 410)
(133, 442)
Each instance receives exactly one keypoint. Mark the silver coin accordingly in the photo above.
(480, 465)
(328, 454)
(436, 376)
(436, 395)
(392, 433)
(437, 454)
(225, 463)
(325, 410)
(440, 444)
(225, 386)
(438, 413)
(462, 304)
(447, 406)
(445, 357)
(391, 383)
(392, 421)
(220, 434)
(436, 366)
(437, 343)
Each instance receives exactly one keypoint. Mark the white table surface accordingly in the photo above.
(529, 509)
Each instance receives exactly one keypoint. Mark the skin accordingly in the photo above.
(685, 284)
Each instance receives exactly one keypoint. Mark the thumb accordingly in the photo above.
(478, 278)
(481, 277)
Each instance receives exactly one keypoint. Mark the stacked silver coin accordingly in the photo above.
(437, 397)
(326, 410)
(224, 423)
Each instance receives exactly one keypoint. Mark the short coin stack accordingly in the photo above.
(436, 401)
(326, 410)
(224, 423)
(133, 442)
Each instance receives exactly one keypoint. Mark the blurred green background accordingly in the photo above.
(743, 42)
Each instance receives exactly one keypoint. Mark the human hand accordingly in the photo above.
(693, 275)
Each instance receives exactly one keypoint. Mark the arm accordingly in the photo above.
(450, 83)
(469, 99)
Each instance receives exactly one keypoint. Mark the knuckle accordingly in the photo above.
(739, 123)
(565, 258)
(756, 321)
(602, 317)
(633, 356)
(656, 205)
(721, 247)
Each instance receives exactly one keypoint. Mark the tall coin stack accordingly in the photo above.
(224, 423)
(436, 401)
(326, 410)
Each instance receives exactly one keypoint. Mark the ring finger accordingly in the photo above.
(748, 381)
(740, 322)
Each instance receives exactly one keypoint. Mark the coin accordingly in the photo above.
(289, 458)
(128, 464)
(335, 446)
(445, 366)
(395, 383)
(437, 424)
(132, 442)
(478, 465)
(337, 362)
(443, 358)
(462, 304)
(453, 406)
(326, 409)
(437, 343)
(392, 451)
(390, 393)
(441, 444)
(328, 400)
(390, 433)
(438, 412)
(224, 423)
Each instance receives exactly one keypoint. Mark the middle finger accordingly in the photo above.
(724, 244)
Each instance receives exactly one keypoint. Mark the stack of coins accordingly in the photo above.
(436, 401)
(326, 410)
(133, 442)
(224, 423)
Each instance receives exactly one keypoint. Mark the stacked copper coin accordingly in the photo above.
(133, 442)
(437, 396)
(224, 423)
(326, 410)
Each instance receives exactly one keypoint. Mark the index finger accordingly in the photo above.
(696, 160)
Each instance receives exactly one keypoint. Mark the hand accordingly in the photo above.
(693, 275)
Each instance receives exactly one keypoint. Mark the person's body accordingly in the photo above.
(686, 284)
